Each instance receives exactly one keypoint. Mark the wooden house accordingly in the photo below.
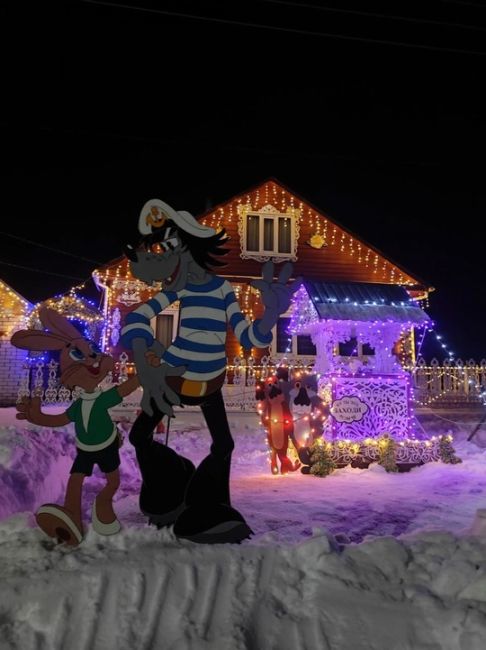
(268, 222)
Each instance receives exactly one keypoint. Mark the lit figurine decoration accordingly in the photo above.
(272, 397)
(308, 410)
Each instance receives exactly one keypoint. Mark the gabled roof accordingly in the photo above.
(271, 189)
(273, 192)
(363, 301)
(15, 294)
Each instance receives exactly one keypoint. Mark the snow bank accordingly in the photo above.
(145, 589)
(404, 575)
(34, 467)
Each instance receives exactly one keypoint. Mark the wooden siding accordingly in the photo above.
(345, 258)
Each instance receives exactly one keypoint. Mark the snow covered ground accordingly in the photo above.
(361, 559)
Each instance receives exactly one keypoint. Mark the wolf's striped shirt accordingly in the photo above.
(205, 311)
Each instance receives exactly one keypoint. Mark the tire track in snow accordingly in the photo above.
(152, 598)
(81, 607)
(204, 605)
(223, 614)
(105, 622)
(130, 598)
(271, 622)
(207, 581)
(174, 605)
(256, 584)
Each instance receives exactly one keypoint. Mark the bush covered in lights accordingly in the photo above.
(392, 455)
(321, 460)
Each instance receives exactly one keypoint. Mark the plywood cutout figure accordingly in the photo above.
(180, 252)
(82, 365)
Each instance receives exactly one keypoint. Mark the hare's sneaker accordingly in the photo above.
(58, 522)
(104, 529)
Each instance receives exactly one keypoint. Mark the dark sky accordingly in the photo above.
(106, 106)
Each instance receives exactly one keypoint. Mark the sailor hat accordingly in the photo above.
(156, 212)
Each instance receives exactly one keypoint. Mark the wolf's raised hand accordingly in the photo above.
(276, 295)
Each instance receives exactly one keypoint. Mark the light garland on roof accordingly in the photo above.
(271, 193)
(11, 297)
(69, 305)
(14, 311)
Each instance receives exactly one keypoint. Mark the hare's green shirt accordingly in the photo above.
(94, 427)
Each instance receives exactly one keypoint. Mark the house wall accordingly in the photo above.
(343, 258)
(12, 318)
(249, 301)
(11, 362)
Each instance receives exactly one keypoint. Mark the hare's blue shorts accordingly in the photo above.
(107, 459)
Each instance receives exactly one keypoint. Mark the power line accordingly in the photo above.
(291, 30)
(229, 146)
(466, 4)
(30, 268)
(373, 14)
(50, 248)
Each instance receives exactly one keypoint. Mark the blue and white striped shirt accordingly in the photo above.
(205, 311)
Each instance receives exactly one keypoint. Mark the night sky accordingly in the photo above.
(106, 106)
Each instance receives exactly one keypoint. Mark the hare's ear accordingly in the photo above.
(37, 340)
(57, 324)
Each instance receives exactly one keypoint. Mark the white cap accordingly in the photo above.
(155, 212)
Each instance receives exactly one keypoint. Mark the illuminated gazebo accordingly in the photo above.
(364, 337)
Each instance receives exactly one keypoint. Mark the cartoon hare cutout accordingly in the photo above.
(81, 364)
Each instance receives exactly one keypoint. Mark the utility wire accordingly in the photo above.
(465, 4)
(240, 147)
(31, 268)
(291, 30)
(373, 14)
(50, 248)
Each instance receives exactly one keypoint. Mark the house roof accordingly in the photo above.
(363, 301)
(16, 294)
(344, 256)
(419, 283)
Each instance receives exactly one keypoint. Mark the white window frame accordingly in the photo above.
(292, 353)
(269, 212)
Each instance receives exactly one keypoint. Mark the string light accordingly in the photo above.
(10, 298)
(69, 305)
(270, 193)
(14, 310)
(116, 277)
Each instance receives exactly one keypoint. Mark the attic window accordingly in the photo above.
(268, 234)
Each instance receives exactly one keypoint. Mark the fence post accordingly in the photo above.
(52, 381)
(24, 390)
(38, 390)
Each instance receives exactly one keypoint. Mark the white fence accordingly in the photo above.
(450, 382)
(453, 381)
(41, 379)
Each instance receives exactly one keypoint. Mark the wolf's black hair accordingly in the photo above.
(203, 250)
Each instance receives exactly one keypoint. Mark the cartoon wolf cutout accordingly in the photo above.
(179, 252)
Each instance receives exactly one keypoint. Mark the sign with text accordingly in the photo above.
(348, 409)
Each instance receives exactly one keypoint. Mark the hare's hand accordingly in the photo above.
(153, 359)
(29, 409)
(154, 354)
(154, 384)
(276, 296)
